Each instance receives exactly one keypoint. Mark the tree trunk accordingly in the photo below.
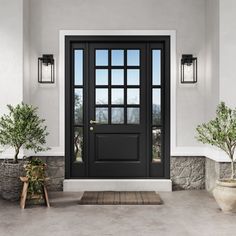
(16, 155)
(232, 169)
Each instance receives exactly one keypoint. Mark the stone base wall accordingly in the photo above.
(55, 171)
(187, 172)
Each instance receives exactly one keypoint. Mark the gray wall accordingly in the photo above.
(212, 57)
(11, 53)
(187, 17)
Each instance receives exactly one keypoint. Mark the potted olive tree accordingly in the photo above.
(21, 128)
(221, 132)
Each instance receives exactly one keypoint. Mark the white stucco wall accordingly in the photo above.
(204, 28)
(11, 53)
(212, 57)
(48, 17)
(228, 51)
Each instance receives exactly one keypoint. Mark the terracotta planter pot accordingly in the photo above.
(225, 195)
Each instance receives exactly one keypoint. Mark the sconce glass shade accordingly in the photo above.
(46, 69)
(188, 69)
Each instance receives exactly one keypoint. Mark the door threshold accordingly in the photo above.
(80, 185)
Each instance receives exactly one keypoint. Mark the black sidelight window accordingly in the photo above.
(78, 111)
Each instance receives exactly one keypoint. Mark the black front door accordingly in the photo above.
(117, 107)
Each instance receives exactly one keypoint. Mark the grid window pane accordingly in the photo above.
(101, 77)
(117, 115)
(117, 96)
(156, 145)
(117, 77)
(132, 96)
(133, 77)
(156, 106)
(117, 57)
(133, 115)
(101, 57)
(156, 67)
(101, 96)
(133, 57)
(78, 60)
(78, 106)
(78, 144)
(102, 115)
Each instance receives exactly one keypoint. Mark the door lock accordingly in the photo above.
(91, 128)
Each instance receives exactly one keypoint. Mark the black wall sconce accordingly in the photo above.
(188, 69)
(46, 69)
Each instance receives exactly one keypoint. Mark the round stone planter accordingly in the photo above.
(10, 181)
(225, 195)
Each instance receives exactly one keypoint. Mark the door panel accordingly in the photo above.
(117, 110)
(122, 147)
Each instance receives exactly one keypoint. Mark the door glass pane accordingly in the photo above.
(156, 106)
(101, 96)
(78, 102)
(133, 57)
(156, 145)
(117, 57)
(133, 77)
(117, 77)
(133, 115)
(101, 57)
(132, 96)
(101, 77)
(117, 96)
(78, 59)
(117, 115)
(156, 67)
(78, 144)
(102, 115)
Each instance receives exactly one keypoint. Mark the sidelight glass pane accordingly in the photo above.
(78, 109)
(102, 115)
(117, 57)
(78, 144)
(101, 77)
(101, 57)
(133, 57)
(156, 106)
(101, 96)
(78, 60)
(117, 77)
(117, 115)
(156, 145)
(117, 96)
(156, 67)
(133, 116)
(133, 77)
(132, 96)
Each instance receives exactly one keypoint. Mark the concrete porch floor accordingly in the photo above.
(183, 213)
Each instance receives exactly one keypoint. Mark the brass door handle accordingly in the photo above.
(93, 122)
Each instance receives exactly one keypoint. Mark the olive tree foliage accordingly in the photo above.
(22, 128)
(221, 132)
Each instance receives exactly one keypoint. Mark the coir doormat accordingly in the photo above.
(120, 198)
